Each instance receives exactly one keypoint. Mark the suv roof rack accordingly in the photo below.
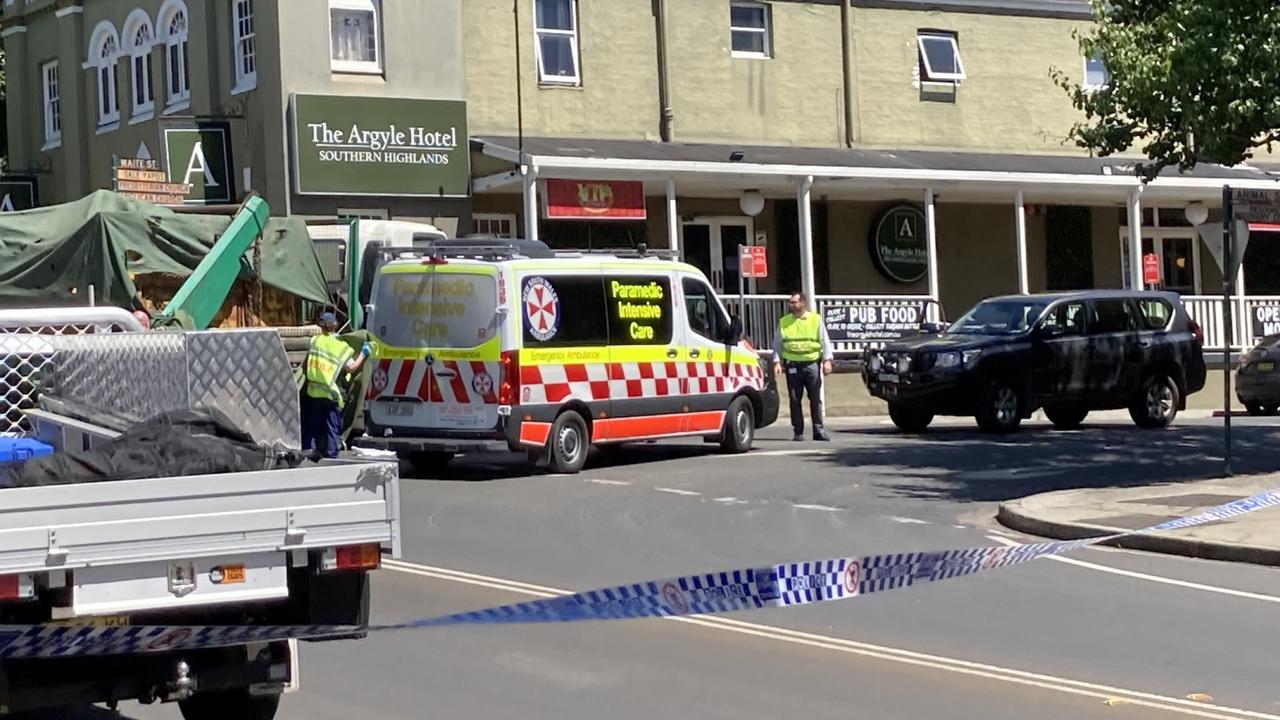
(638, 251)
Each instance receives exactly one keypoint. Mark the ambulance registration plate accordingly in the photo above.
(401, 409)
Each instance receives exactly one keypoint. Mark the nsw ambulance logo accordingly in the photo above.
(541, 308)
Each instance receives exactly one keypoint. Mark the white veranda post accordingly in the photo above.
(804, 197)
(1020, 218)
(931, 236)
(530, 201)
(673, 222)
(1135, 239)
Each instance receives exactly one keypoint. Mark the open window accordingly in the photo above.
(939, 57)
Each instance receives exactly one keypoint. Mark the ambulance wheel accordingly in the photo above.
(739, 426)
(568, 444)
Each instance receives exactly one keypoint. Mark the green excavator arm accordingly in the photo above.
(200, 298)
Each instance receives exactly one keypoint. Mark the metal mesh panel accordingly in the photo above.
(27, 351)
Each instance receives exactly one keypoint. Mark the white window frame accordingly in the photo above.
(104, 51)
(176, 44)
(766, 31)
(1093, 87)
(576, 78)
(928, 75)
(142, 108)
(245, 46)
(510, 218)
(351, 66)
(1158, 234)
(52, 94)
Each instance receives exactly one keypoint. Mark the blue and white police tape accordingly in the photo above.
(754, 588)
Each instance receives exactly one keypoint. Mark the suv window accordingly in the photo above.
(564, 310)
(706, 318)
(639, 309)
(1112, 316)
(1155, 313)
(1068, 316)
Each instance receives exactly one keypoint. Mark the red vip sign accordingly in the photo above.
(594, 200)
(1150, 269)
(753, 261)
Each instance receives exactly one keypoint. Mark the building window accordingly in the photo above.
(363, 213)
(52, 105)
(138, 34)
(749, 28)
(939, 57)
(1096, 75)
(556, 26)
(173, 25)
(355, 36)
(103, 52)
(501, 225)
(246, 47)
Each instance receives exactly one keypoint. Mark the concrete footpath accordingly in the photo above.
(1072, 514)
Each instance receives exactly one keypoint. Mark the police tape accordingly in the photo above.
(786, 585)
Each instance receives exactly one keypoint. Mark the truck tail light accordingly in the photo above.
(1197, 332)
(509, 386)
(16, 587)
(351, 557)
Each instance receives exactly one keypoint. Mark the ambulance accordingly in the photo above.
(482, 345)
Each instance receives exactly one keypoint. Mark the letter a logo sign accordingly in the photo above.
(6, 203)
(197, 163)
(201, 158)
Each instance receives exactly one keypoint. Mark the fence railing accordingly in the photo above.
(1252, 318)
(26, 345)
(861, 318)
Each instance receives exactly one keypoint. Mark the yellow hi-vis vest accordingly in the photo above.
(800, 338)
(325, 361)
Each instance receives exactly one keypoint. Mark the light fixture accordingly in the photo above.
(1197, 213)
(751, 202)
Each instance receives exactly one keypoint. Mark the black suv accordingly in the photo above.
(1068, 353)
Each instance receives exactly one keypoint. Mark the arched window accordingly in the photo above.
(138, 33)
(172, 26)
(104, 49)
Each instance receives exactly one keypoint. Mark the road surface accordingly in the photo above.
(1047, 639)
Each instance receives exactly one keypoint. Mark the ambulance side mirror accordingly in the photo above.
(734, 332)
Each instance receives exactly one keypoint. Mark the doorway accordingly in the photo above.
(711, 245)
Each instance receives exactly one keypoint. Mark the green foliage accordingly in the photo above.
(1191, 81)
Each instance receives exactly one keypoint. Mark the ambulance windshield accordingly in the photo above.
(435, 309)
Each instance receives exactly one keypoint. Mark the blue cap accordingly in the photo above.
(326, 318)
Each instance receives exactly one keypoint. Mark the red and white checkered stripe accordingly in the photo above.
(472, 381)
(603, 381)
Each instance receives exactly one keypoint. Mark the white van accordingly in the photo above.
(506, 345)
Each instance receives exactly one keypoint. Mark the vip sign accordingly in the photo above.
(201, 157)
(17, 194)
(380, 146)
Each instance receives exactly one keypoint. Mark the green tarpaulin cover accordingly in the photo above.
(103, 238)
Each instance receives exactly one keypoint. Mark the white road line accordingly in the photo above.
(608, 482)
(731, 501)
(778, 453)
(824, 508)
(908, 521)
(1150, 578)
(880, 652)
(676, 491)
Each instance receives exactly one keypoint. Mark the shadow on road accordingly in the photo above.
(485, 468)
(969, 466)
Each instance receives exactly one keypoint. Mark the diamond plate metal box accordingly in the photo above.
(243, 373)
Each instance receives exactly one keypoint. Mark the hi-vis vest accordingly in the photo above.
(325, 361)
(800, 338)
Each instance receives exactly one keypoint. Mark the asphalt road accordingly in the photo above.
(1046, 639)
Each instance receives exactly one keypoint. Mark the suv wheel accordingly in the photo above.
(909, 418)
(1260, 410)
(1066, 418)
(568, 444)
(1157, 402)
(999, 408)
(739, 426)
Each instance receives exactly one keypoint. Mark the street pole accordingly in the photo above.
(1227, 257)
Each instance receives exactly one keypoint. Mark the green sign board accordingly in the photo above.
(380, 146)
(200, 156)
(899, 247)
(17, 193)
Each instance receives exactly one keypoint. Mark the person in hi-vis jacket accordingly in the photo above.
(802, 349)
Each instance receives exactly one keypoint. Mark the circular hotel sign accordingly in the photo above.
(898, 245)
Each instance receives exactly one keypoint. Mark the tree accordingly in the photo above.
(1191, 81)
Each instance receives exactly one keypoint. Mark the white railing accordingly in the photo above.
(26, 345)
(1252, 318)
(867, 316)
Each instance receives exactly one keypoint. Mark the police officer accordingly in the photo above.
(802, 349)
(327, 359)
